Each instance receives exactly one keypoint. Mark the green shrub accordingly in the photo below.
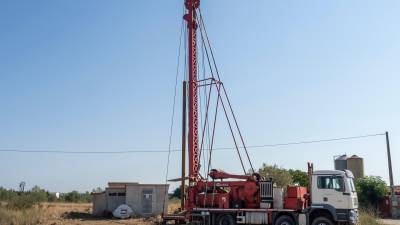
(370, 190)
(21, 202)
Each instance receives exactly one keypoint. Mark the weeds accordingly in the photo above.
(368, 217)
(31, 216)
(21, 202)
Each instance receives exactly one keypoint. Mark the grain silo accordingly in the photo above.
(341, 162)
(356, 165)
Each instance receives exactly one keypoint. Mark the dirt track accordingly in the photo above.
(391, 222)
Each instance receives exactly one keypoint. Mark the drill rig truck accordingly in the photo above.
(221, 198)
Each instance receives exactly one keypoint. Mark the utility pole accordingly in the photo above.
(393, 198)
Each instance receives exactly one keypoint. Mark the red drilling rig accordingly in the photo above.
(226, 199)
(242, 193)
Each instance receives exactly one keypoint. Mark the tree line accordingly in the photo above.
(36, 195)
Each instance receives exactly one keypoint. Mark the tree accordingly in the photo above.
(97, 190)
(280, 176)
(6, 195)
(37, 194)
(73, 196)
(176, 193)
(299, 177)
(371, 190)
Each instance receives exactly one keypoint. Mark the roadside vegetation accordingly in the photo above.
(31, 216)
(24, 200)
(27, 208)
(368, 218)
(371, 190)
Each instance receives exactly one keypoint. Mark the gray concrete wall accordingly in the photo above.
(113, 201)
(99, 204)
(135, 198)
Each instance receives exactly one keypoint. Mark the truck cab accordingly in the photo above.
(333, 197)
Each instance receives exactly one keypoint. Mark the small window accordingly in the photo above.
(112, 194)
(330, 182)
(121, 194)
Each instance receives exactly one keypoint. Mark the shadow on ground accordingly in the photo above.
(80, 216)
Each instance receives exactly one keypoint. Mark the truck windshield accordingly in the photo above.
(330, 182)
(350, 183)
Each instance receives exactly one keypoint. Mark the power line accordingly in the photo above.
(178, 150)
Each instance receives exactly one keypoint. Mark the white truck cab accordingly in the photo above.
(333, 195)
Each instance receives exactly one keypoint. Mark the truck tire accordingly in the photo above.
(225, 219)
(285, 220)
(322, 221)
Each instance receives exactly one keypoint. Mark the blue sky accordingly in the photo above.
(99, 75)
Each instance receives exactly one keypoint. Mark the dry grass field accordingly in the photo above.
(68, 214)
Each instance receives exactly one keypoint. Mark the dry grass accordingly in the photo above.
(63, 214)
(368, 217)
(174, 205)
(30, 216)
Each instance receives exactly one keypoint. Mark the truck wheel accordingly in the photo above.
(285, 220)
(322, 221)
(225, 219)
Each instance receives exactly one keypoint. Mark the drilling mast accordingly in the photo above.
(193, 133)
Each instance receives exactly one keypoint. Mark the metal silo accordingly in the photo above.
(341, 162)
(356, 165)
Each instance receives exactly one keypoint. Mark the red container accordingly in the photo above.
(296, 192)
(294, 203)
(295, 198)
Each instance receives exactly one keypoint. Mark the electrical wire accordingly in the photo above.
(179, 150)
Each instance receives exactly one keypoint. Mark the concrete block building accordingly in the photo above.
(144, 199)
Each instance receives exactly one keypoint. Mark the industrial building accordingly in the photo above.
(144, 199)
(353, 163)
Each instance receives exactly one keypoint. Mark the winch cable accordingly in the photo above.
(210, 152)
(209, 96)
(173, 115)
(203, 28)
(226, 95)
